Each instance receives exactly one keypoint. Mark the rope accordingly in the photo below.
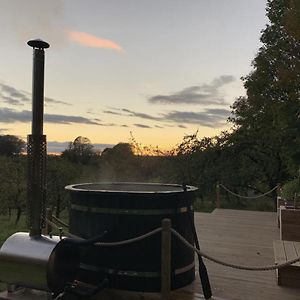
(60, 221)
(187, 244)
(129, 241)
(248, 197)
(61, 231)
(239, 267)
(110, 244)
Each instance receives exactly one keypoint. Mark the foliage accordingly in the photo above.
(11, 145)
(267, 119)
(8, 226)
(118, 163)
(207, 161)
(12, 185)
(147, 150)
(292, 19)
(79, 151)
(291, 189)
(60, 173)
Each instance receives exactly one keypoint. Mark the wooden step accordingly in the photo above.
(284, 251)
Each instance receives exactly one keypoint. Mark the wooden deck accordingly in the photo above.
(241, 237)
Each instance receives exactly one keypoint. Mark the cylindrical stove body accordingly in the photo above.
(40, 263)
(127, 210)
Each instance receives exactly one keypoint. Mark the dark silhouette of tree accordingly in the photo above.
(13, 184)
(267, 119)
(292, 19)
(118, 163)
(79, 151)
(60, 172)
(11, 145)
(121, 151)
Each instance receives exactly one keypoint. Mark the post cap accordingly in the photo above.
(38, 43)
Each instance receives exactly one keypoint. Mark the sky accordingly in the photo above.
(156, 69)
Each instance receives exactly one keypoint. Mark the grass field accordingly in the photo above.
(8, 226)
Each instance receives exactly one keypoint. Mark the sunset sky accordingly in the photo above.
(159, 69)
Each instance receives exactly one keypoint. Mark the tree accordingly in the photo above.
(118, 163)
(11, 145)
(13, 184)
(79, 151)
(60, 172)
(268, 117)
(204, 162)
(293, 19)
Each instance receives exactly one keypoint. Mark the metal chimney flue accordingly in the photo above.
(33, 260)
(36, 144)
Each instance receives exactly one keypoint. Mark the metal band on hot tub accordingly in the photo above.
(135, 273)
(119, 211)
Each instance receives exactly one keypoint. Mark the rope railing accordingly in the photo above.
(109, 244)
(61, 230)
(247, 197)
(235, 266)
(187, 244)
(59, 221)
(130, 241)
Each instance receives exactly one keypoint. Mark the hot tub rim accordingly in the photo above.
(72, 188)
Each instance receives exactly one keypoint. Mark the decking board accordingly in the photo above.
(241, 237)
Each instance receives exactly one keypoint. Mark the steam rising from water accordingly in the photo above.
(28, 19)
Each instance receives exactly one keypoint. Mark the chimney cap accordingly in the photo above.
(38, 43)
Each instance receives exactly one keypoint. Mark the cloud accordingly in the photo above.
(66, 119)
(15, 97)
(130, 113)
(207, 118)
(12, 96)
(139, 115)
(4, 130)
(8, 115)
(91, 112)
(53, 101)
(210, 117)
(89, 40)
(206, 94)
(58, 147)
(110, 125)
(112, 112)
(142, 126)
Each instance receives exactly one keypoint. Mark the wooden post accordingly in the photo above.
(166, 260)
(218, 202)
(279, 202)
(278, 190)
(48, 227)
